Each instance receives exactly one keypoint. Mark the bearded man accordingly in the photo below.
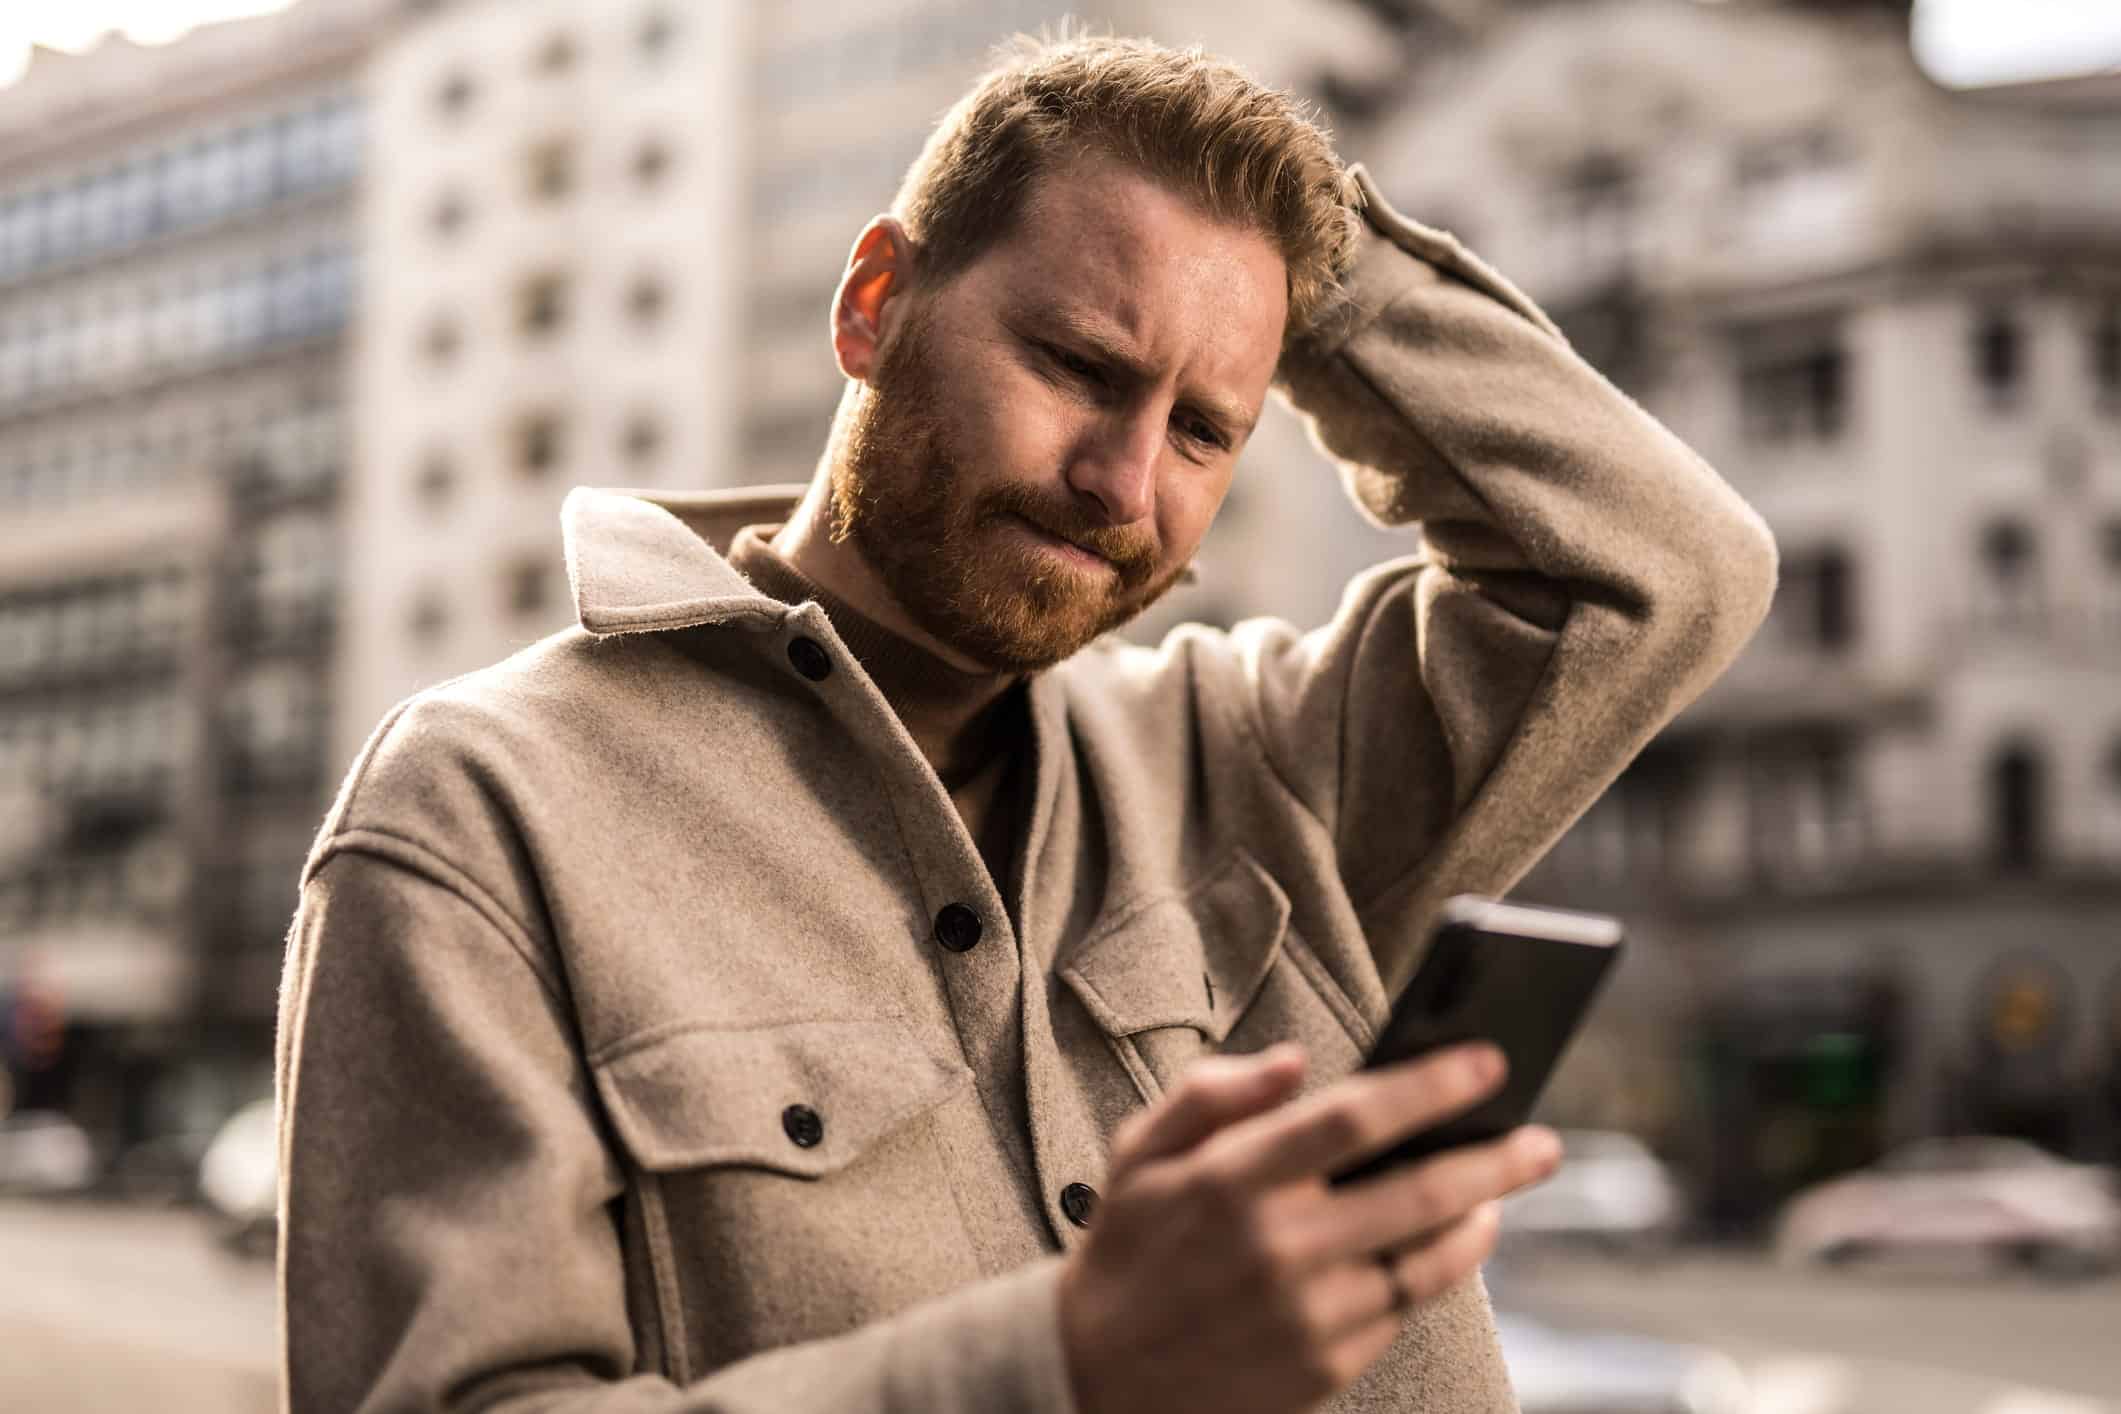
(833, 978)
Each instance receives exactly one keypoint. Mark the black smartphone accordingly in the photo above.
(1518, 976)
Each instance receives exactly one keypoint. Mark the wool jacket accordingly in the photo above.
(653, 1037)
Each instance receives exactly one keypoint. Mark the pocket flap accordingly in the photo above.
(1193, 958)
(722, 1095)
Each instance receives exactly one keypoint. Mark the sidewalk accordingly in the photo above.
(111, 1308)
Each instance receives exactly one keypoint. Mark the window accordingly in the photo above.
(645, 299)
(2106, 356)
(2109, 590)
(656, 33)
(1792, 383)
(455, 95)
(643, 437)
(442, 340)
(2017, 808)
(427, 618)
(1807, 813)
(551, 169)
(1814, 608)
(651, 162)
(1999, 357)
(541, 305)
(1593, 211)
(2009, 584)
(450, 213)
(529, 588)
(557, 54)
(539, 443)
(437, 480)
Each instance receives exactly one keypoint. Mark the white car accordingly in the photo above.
(1988, 1197)
(239, 1177)
(1610, 1190)
(42, 1152)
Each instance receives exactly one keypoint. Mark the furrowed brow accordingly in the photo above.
(1109, 346)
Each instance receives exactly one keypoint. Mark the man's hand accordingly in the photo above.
(1223, 1273)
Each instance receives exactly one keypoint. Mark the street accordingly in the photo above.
(1852, 1341)
(108, 1308)
(121, 1309)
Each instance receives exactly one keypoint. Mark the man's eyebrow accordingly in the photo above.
(1112, 347)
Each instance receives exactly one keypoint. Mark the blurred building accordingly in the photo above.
(1886, 849)
(176, 276)
(556, 249)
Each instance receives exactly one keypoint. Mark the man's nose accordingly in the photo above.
(1116, 465)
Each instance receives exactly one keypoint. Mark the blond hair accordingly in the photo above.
(1247, 154)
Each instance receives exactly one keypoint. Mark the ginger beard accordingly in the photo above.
(951, 552)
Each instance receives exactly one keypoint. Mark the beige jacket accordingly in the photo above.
(653, 1037)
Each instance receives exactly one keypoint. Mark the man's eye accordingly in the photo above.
(1202, 431)
(1075, 363)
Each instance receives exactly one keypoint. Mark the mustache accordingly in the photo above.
(1132, 550)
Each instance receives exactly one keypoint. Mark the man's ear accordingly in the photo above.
(879, 267)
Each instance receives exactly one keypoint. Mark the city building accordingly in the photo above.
(1875, 874)
(554, 255)
(177, 266)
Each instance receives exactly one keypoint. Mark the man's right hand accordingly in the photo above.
(1223, 1273)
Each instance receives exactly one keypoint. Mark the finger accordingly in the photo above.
(1217, 1091)
(1430, 1269)
(1362, 1115)
(1343, 1298)
(1402, 1205)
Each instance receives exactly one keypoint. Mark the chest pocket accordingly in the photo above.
(802, 1098)
(785, 1182)
(1173, 977)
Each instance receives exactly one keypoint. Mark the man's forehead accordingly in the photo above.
(1107, 252)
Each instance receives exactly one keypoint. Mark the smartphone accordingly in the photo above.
(1517, 976)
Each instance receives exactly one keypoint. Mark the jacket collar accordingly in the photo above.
(641, 561)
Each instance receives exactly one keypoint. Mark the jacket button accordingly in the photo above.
(803, 1125)
(957, 927)
(812, 661)
(1078, 1201)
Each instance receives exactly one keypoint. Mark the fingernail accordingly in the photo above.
(1488, 1064)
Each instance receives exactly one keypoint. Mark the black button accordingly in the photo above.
(1079, 1201)
(812, 661)
(957, 927)
(803, 1125)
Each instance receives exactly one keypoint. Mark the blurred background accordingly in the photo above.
(310, 315)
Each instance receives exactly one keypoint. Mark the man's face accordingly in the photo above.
(1047, 436)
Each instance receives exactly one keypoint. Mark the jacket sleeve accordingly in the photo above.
(1584, 575)
(448, 1198)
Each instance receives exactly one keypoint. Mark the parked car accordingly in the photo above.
(1610, 1191)
(1565, 1370)
(239, 1177)
(1981, 1196)
(44, 1153)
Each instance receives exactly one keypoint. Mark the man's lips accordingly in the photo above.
(1063, 545)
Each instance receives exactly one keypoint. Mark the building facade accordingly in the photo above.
(1875, 875)
(555, 253)
(177, 265)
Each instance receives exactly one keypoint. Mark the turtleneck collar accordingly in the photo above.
(954, 716)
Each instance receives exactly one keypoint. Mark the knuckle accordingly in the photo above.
(1427, 1200)
(1343, 1125)
(1213, 1183)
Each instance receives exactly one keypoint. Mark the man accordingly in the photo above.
(799, 987)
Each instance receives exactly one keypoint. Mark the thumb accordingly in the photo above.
(1217, 1091)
